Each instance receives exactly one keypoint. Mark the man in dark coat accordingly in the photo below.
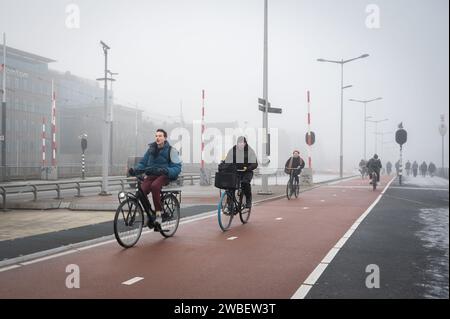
(431, 169)
(423, 168)
(245, 159)
(296, 164)
(408, 167)
(415, 167)
(389, 167)
(374, 166)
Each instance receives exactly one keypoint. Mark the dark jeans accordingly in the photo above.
(154, 184)
(246, 178)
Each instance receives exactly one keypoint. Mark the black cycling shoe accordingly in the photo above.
(150, 224)
(157, 227)
(248, 204)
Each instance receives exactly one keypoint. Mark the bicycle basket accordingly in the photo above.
(225, 180)
(227, 167)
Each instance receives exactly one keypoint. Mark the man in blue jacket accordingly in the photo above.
(161, 163)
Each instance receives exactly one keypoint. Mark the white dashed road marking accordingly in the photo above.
(132, 281)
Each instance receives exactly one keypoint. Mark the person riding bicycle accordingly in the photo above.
(415, 166)
(423, 168)
(408, 167)
(388, 168)
(295, 164)
(245, 159)
(161, 163)
(363, 167)
(431, 169)
(374, 166)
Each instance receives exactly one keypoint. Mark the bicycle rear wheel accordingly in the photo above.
(374, 181)
(170, 215)
(128, 223)
(225, 210)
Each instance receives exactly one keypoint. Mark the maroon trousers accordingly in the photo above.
(154, 184)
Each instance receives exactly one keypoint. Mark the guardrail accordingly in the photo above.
(78, 185)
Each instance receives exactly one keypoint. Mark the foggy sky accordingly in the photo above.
(166, 51)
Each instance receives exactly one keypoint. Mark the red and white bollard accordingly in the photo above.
(53, 172)
(205, 179)
(309, 129)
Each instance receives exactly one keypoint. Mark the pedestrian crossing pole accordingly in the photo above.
(82, 165)
(53, 172)
(44, 171)
(204, 177)
(83, 138)
(309, 129)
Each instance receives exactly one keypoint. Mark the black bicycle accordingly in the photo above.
(232, 203)
(374, 180)
(292, 187)
(129, 219)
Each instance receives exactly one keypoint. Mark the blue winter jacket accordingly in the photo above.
(155, 158)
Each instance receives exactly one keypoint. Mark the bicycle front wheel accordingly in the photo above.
(225, 210)
(170, 215)
(297, 189)
(128, 223)
(289, 190)
(244, 212)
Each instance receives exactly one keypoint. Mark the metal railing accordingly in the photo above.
(78, 185)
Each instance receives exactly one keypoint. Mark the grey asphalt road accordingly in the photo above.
(406, 237)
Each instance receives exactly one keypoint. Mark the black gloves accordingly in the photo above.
(131, 171)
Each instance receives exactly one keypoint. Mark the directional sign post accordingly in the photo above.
(265, 107)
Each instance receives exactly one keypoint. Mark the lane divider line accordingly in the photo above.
(132, 281)
(232, 238)
(306, 286)
(302, 292)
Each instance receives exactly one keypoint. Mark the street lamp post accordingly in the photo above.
(382, 134)
(376, 130)
(3, 133)
(342, 62)
(365, 120)
(106, 126)
(111, 128)
(442, 132)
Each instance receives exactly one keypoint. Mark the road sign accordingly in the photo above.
(262, 102)
(262, 107)
(401, 136)
(270, 110)
(313, 138)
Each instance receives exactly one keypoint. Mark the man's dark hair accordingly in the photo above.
(162, 131)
